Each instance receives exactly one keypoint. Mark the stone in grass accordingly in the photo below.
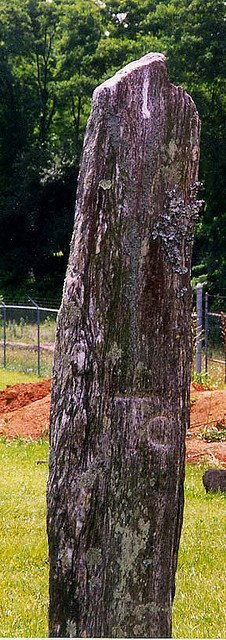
(214, 480)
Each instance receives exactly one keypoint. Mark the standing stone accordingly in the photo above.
(120, 396)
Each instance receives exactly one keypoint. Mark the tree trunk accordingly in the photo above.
(120, 397)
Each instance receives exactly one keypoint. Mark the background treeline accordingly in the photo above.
(53, 53)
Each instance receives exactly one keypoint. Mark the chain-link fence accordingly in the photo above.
(27, 334)
(215, 343)
(210, 336)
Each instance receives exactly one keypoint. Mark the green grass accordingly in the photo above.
(21, 333)
(14, 377)
(199, 605)
(199, 610)
(215, 376)
(26, 361)
(23, 544)
(25, 331)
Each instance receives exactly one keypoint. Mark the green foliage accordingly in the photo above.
(215, 433)
(201, 378)
(52, 55)
(45, 98)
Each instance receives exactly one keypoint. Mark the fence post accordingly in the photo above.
(199, 289)
(38, 331)
(206, 331)
(4, 333)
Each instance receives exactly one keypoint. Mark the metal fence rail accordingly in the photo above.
(27, 329)
(212, 334)
(27, 334)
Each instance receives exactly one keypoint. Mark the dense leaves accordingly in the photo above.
(52, 55)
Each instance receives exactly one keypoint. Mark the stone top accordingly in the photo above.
(143, 62)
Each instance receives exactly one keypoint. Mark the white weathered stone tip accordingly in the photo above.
(145, 61)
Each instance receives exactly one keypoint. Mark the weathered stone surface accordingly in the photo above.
(120, 398)
(214, 480)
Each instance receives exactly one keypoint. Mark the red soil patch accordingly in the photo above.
(24, 412)
(19, 395)
(208, 409)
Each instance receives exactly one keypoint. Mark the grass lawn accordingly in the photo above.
(23, 544)
(199, 610)
(21, 342)
(199, 605)
(16, 377)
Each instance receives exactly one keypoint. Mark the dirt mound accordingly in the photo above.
(24, 412)
(30, 421)
(198, 450)
(20, 395)
(207, 408)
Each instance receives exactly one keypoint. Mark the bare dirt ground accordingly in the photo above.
(208, 408)
(24, 412)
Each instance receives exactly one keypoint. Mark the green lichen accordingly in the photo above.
(117, 632)
(71, 629)
(93, 557)
(115, 354)
(72, 311)
(175, 226)
(132, 543)
(172, 149)
(105, 184)
(87, 478)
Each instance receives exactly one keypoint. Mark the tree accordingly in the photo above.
(42, 136)
(78, 75)
(52, 55)
(15, 115)
(191, 34)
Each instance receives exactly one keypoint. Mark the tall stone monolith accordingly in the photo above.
(120, 394)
